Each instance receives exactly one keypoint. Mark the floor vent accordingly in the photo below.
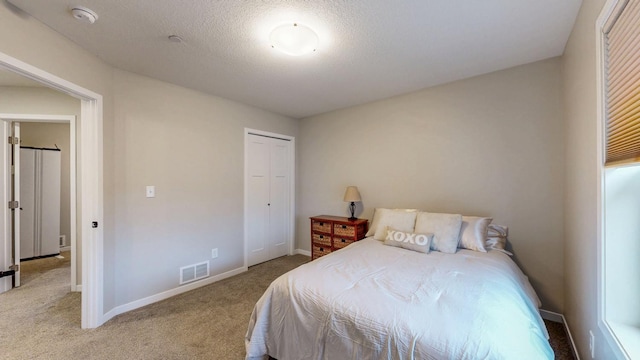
(194, 272)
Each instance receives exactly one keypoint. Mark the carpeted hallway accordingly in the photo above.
(207, 323)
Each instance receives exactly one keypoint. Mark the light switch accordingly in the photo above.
(151, 191)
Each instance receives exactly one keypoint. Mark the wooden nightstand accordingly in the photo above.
(331, 233)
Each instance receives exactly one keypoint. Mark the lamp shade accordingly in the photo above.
(352, 194)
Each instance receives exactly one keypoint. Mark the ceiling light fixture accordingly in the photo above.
(83, 14)
(294, 40)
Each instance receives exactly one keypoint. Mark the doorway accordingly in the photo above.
(89, 189)
(48, 134)
(269, 196)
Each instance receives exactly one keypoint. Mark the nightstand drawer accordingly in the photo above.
(321, 239)
(320, 251)
(344, 230)
(321, 226)
(339, 243)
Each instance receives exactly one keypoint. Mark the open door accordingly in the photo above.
(10, 213)
(15, 185)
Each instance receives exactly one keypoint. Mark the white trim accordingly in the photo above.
(292, 188)
(5, 214)
(15, 183)
(71, 120)
(303, 252)
(603, 325)
(92, 239)
(559, 318)
(91, 183)
(551, 316)
(39, 118)
(170, 293)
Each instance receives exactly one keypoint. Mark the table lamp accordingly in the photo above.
(352, 195)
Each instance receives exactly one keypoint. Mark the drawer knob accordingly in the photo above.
(321, 249)
(344, 226)
(321, 224)
(343, 240)
(321, 236)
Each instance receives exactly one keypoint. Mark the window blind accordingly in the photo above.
(623, 84)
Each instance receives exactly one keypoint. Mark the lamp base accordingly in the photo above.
(352, 209)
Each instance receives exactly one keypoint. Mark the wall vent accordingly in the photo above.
(63, 240)
(194, 272)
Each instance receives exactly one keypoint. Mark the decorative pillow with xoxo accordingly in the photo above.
(409, 240)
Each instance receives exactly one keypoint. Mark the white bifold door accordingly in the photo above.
(269, 163)
(39, 202)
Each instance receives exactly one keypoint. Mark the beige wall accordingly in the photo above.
(489, 145)
(580, 200)
(190, 146)
(44, 101)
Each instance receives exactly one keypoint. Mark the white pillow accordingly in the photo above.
(473, 232)
(407, 240)
(399, 219)
(444, 227)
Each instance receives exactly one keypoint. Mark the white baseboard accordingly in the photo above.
(65, 248)
(303, 252)
(552, 316)
(559, 318)
(169, 293)
(77, 288)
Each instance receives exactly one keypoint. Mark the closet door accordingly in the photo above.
(268, 199)
(258, 199)
(50, 203)
(27, 203)
(279, 199)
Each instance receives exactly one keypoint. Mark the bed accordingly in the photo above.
(373, 301)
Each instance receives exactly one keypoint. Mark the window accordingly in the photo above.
(622, 88)
(619, 173)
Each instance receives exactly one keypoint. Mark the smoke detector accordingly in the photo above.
(83, 14)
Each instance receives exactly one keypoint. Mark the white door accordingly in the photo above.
(279, 198)
(257, 199)
(10, 159)
(49, 184)
(27, 192)
(268, 200)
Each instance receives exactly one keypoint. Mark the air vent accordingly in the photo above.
(194, 272)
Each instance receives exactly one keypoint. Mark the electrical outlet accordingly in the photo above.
(592, 344)
(214, 253)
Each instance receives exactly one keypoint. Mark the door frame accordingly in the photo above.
(61, 119)
(292, 187)
(90, 183)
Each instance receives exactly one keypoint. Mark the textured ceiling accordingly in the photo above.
(369, 49)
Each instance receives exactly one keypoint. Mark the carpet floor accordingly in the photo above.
(206, 323)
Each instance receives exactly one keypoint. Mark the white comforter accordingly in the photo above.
(372, 301)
